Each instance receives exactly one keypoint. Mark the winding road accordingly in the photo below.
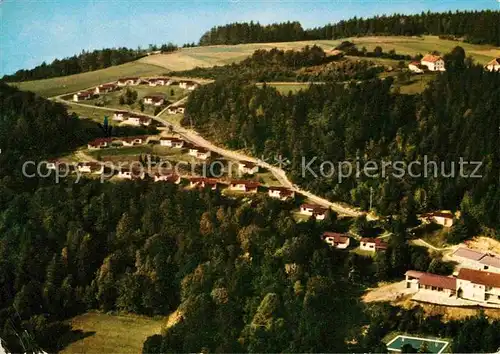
(193, 137)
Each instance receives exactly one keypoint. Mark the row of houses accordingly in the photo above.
(473, 259)
(103, 143)
(470, 284)
(157, 81)
(342, 241)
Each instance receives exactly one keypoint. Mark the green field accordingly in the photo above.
(84, 112)
(104, 333)
(67, 84)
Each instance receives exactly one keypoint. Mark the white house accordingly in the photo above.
(414, 66)
(125, 173)
(105, 88)
(138, 120)
(158, 81)
(203, 182)
(433, 62)
(128, 81)
(372, 244)
(478, 286)
(247, 168)
(244, 186)
(199, 152)
(120, 115)
(441, 218)
(171, 178)
(187, 85)
(90, 167)
(155, 100)
(493, 65)
(175, 143)
(84, 95)
(99, 143)
(132, 140)
(282, 193)
(317, 211)
(336, 240)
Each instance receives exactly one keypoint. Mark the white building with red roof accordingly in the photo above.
(281, 193)
(433, 62)
(493, 65)
(372, 244)
(337, 240)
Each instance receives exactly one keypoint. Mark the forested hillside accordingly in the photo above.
(84, 62)
(456, 116)
(472, 26)
(307, 64)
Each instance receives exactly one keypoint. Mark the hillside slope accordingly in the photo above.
(207, 56)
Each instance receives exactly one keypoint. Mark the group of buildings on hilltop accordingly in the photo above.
(156, 100)
(432, 62)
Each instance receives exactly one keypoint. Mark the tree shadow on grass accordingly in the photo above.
(73, 336)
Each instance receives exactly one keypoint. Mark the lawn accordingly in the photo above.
(103, 333)
(189, 58)
(67, 84)
(94, 114)
(112, 99)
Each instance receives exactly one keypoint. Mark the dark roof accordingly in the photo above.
(99, 141)
(316, 208)
(439, 281)
(480, 277)
(439, 214)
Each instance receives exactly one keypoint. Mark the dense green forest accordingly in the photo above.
(472, 26)
(84, 62)
(457, 116)
(310, 64)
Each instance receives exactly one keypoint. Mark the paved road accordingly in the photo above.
(278, 173)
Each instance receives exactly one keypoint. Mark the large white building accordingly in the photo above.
(433, 62)
(470, 284)
(478, 286)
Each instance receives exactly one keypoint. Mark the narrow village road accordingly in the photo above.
(193, 137)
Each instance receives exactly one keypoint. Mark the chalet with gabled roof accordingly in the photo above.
(281, 193)
(372, 244)
(99, 143)
(318, 212)
(433, 62)
(247, 168)
(493, 65)
(155, 100)
(336, 240)
(172, 142)
(244, 186)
